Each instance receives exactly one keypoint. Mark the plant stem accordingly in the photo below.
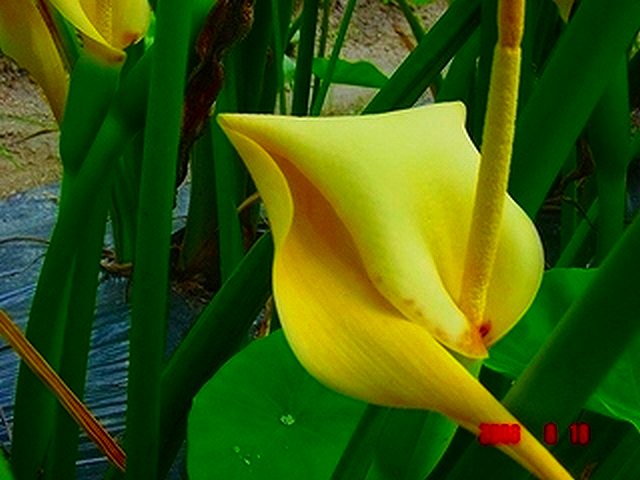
(219, 332)
(335, 53)
(609, 138)
(34, 406)
(199, 250)
(65, 395)
(412, 19)
(358, 455)
(322, 44)
(300, 102)
(150, 278)
(61, 460)
(278, 53)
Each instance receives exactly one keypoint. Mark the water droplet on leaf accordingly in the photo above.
(287, 420)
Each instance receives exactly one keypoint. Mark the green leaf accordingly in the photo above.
(560, 287)
(624, 460)
(619, 394)
(361, 73)
(263, 417)
(357, 457)
(289, 70)
(92, 85)
(411, 444)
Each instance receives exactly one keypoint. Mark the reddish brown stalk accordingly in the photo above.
(71, 403)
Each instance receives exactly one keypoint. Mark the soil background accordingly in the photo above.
(29, 134)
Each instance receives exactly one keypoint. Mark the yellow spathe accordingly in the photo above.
(107, 27)
(24, 36)
(402, 186)
(370, 217)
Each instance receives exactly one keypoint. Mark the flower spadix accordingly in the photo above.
(28, 34)
(370, 217)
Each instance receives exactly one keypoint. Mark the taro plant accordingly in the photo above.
(406, 271)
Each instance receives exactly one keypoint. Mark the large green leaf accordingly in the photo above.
(362, 73)
(560, 287)
(619, 394)
(263, 417)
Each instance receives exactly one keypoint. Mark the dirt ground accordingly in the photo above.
(29, 134)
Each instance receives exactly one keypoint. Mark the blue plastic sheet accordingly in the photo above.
(26, 222)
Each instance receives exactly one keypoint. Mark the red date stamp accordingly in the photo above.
(499, 434)
(509, 433)
(579, 433)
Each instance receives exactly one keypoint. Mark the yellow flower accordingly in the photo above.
(107, 26)
(371, 218)
(27, 34)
